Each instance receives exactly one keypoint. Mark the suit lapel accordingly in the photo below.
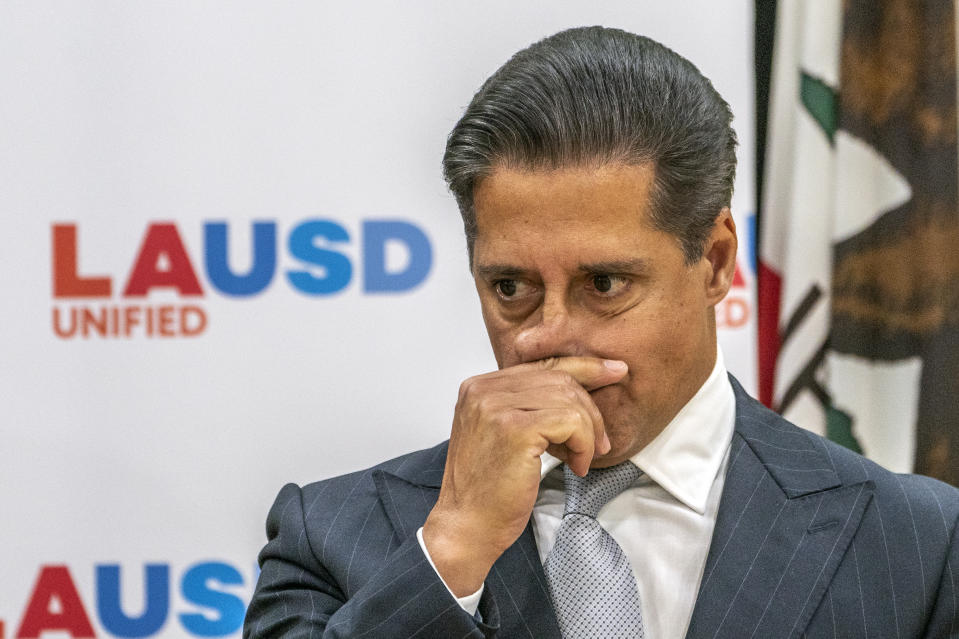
(517, 582)
(785, 522)
(407, 504)
(519, 586)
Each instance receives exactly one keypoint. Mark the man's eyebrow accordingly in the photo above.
(631, 266)
(491, 271)
(637, 265)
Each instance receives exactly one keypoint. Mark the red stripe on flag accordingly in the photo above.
(769, 293)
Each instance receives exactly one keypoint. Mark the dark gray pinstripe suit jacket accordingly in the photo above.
(811, 540)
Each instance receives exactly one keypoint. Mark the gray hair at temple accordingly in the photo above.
(592, 96)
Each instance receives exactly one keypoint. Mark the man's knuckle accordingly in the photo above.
(472, 388)
(484, 405)
(569, 393)
(465, 387)
(583, 421)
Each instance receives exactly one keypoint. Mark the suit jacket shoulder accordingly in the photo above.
(814, 540)
(339, 563)
(906, 549)
(334, 507)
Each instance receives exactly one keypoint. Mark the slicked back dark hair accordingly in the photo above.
(593, 96)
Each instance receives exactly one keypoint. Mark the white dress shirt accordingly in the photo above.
(664, 522)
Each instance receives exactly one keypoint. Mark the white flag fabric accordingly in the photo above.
(858, 306)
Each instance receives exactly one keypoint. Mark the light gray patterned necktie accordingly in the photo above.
(590, 580)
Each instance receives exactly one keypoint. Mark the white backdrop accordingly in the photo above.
(138, 470)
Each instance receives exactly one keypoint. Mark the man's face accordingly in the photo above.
(567, 262)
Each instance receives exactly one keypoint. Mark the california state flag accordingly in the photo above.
(859, 246)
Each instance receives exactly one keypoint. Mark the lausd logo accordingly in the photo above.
(164, 263)
(214, 608)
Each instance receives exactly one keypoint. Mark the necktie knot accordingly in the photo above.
(587, 495)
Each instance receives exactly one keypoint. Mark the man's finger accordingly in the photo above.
(567, 428)
(551, 397)
(590, 372)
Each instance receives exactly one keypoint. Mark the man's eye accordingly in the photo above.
(602, 283)
(608, 284)
(506, 288)
(515, 293)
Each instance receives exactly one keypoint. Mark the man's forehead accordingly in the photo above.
(578, 195)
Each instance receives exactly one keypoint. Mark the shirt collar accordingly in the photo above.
(685, 457)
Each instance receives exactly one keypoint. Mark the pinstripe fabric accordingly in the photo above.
(811, 541)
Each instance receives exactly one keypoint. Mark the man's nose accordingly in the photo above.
(551, 331)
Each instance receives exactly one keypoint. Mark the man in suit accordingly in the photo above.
(594, 173)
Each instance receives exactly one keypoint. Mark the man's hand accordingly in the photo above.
(503, 422)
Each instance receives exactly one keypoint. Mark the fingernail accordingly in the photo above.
(615, 365)
(606, 445)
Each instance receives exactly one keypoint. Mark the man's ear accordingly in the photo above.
(720, 255)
